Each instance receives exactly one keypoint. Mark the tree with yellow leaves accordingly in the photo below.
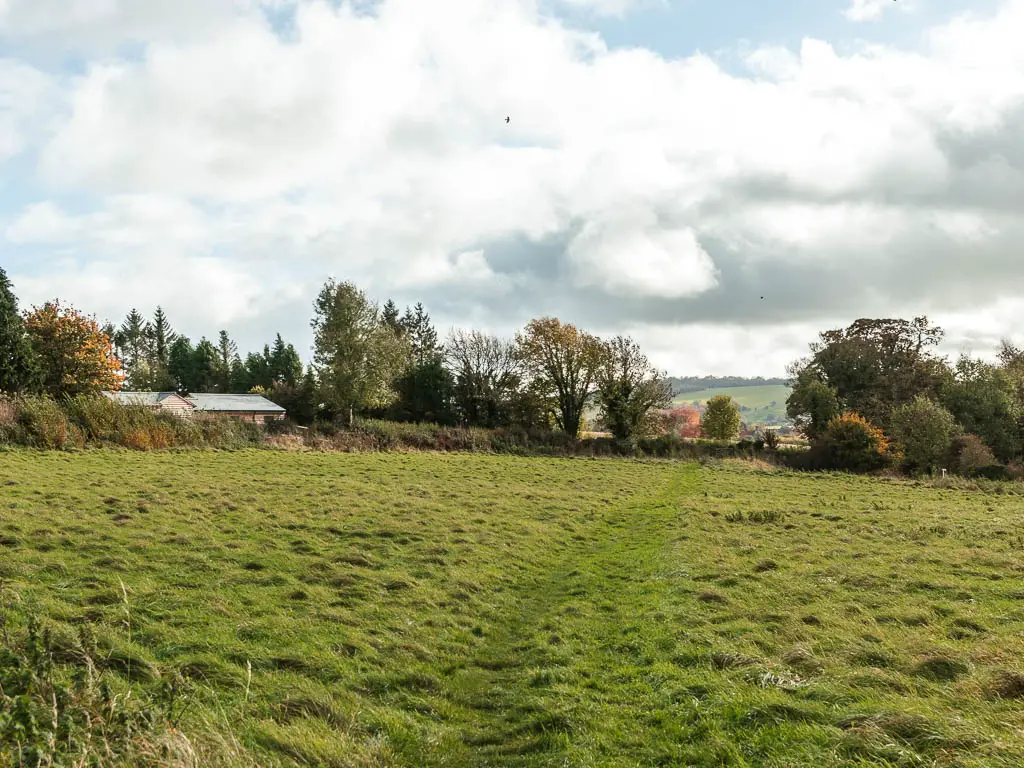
(74, 355)
(563, 362)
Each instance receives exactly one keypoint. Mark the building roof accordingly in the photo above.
(142, 398)
(248, 403)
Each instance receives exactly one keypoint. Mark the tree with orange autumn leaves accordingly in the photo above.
(562, 361)
(74, 355)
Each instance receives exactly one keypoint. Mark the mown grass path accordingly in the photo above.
(542, 689)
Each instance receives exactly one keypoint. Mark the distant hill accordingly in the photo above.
(759, 404)
(681, 384)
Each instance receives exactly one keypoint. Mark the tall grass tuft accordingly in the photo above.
(58, 708)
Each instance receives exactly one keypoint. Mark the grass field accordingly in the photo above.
(464, 610)
(758, 399)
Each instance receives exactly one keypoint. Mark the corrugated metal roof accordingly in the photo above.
(249, 403)
(140, 398)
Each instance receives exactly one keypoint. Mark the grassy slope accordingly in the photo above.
(471, 610)
(758, 398)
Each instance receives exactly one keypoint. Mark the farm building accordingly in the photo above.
(248, 407)
(162, 401)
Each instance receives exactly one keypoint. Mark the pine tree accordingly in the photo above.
(257, 367)
(239, 382)
(161, 337)
(421, 334)
(227, 351)
(130, 340)
(284, 363)
(179, 365)
(425, 388)
(18, 366)
(205, 367)
(389, 317)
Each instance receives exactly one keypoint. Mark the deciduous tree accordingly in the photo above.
(982, 399)
(488, 375)
(924, 431)
(562, 361)
(630, 389)
(721, 419)
(851, 442)
(874, 366)
(299, 399)
(74, 354)
(357, 357)
(812, 404)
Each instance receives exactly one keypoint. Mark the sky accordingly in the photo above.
(719, 179)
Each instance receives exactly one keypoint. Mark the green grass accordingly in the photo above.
(466, 610)
(758, 399)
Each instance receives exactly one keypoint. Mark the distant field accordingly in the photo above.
(759, 399)
(468, 610)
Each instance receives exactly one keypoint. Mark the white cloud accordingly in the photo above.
(183, 286)
(866, 10)
(96, 26)
(710, 350)
(374, 146)
(630, 254)
(129, 223)
(28, 99)
(602, 7)
(870, 10)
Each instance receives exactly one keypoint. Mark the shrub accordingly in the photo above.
(103, 420)
(850, 442)
(993, 472)
(771, 439)
(43, 423)
(9, 429)
(1016, 469)
(924, 430)
(721, 420)
(228, 433)
(968, 454)
(8, 413)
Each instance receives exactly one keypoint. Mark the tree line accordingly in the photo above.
(369, 360)
(871, 393)
(879, 384)
(153, 357)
